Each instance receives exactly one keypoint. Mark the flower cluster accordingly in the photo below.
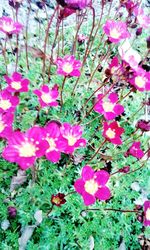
(25, 148)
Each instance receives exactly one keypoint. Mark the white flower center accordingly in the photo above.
(27, 149)
(108, 106)
(5, 104)
(2, 126)
(110, 133)
(147, 215)
(67, 67)
(71, 140)
(140, 81)
(16, 85)
(52, 144)
(91, 186)
(46, 98)
(7, 26)
(114, 33)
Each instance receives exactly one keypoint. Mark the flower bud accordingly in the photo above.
(12, 212)
(125, 169)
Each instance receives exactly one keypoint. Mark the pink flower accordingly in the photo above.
(65, 12)
(143, 125)
(8, 26)
(92, 185)
(142, 19)
(6, 120)
(16, 83)
(72, 134)
(7, 101)
(129, 55)
(116, 31)
(68, 66)
(135, 150)
(115, 67)
(55, 141)
(141, 80)
(147, 213)
(24, 148)
(82, 38)
(112, 132)
(74, 4)
(109, 107)
(78, 4)
(47, 96)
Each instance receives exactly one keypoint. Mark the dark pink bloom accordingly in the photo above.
(115, 67)
(143, 125)
(68, 66)
(56, 143)
(81, 38)
(112, 132)
(8, 26)
(142, 19)
(78, 4)
(108, 107)
(135, 150)
(116, 31)
(58, 199)
(73, 135)
(147, 213)
(6, 120)
(141, 80)
(92, 185)
(7, 101)
(16, 83)
(47, 96)
(65, 12)
(24, 148)
(74, 4)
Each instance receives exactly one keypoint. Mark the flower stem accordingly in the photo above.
(49, 211)
(111, 209)
(46, 38)
(61, 93)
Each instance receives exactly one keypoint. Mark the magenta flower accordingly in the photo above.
(72, 134)
(135, 150)
(56, 143)
(24, 148)
(7, 101)
(115, 67)
(78, 4)
(47, 96)
(74, 4)
(116, 31)
(92, 185)
(6, 120)
(129, 55)
(68, 66)
(8, 26)
(143, 125)
(147, 213)
(16, 83)
(142, 19)
(109, 107)
(141, 80)
(112, 132)
(65, 12)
